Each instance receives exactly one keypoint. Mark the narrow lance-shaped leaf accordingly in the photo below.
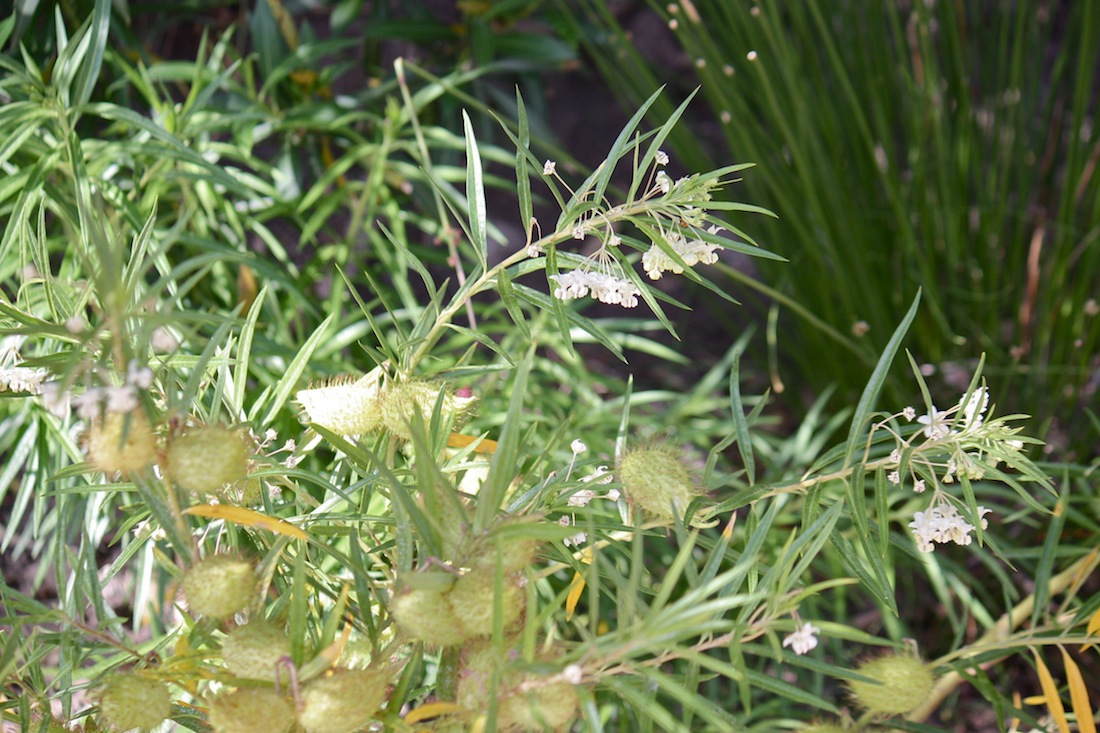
(475, 194)
(878, 378)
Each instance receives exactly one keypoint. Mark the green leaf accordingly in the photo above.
(86, 76)
(874, 385)
(505, 463)
(740, 425)
(475, 195)
(293, 372)
(523, 178)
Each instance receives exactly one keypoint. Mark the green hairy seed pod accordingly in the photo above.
(425, 615)
(905, 682)
(128, 701)
(401, 400)
(473, 603)
(657, 480)
(219, 586)
(252, 651)
(342, 702)
(204, 460)
(122, 443)
(251, 710)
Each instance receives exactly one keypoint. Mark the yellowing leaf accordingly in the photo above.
(458, 440)
(433, 710)
(247, 517)
(1079, 695)
(1050, 692)
(1093, 629)
(574, 596)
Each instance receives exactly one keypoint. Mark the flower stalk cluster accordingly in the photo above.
(671, 213)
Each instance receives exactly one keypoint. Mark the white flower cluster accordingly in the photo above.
(941, 524)
(656, 261)
(22, 379)
(957, 442)
(121, 398)
(679, 211)
(17, 378)
(604, 287)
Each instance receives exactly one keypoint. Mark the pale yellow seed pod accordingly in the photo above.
(129, 701)
(121, 442)
(345, 407)
(657, 480)
(425, 615)
(342, 702)
(206, 459)
(251, 710)
(253, 650)
(219, 586)
(903, 683)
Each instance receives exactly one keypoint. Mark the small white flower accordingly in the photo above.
(549, 167)
(803, 639)
(573, 674)
(661, 157)
(936, 424)
(613, 495)
(576, 540)
(139, 376)
(894, 477)
(600, 476)
(614, 240)
(578, 230)
(88, 405)
(895, 456)
(578, 446)
(664, 182)
(121, 399)
(581, 498)
(656, 261)
(974, 408)
(163, 340)
(909, 413)
(534, 251)
(55, 400)
(918, 486)
(75, 325)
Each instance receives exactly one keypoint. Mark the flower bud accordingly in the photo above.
(252, 651)
(219, 586)
(656, 479)
(345, 408)
(425, 615)
(904, 682)
(342, 702)
(121, 442)
(129, 701)
(251, 710)
(205, 459)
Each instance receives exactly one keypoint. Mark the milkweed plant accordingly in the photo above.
(430, 504)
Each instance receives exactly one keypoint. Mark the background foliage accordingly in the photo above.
(289, 208)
